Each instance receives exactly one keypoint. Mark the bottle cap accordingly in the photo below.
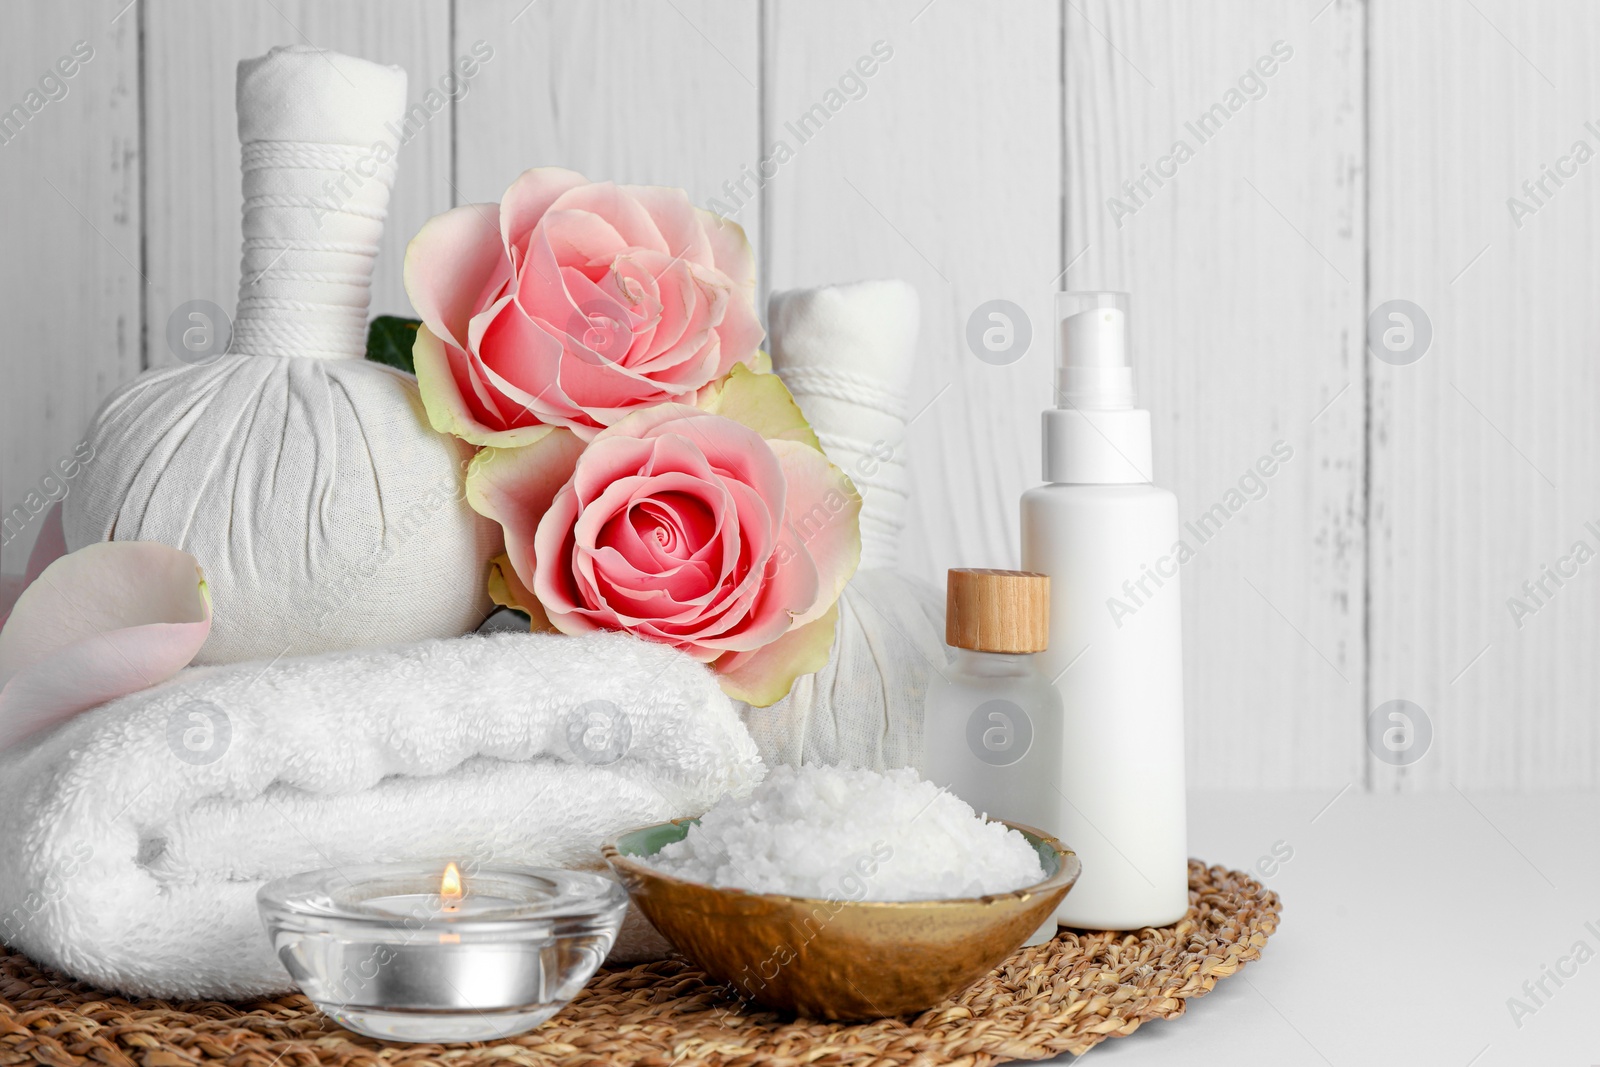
(997, 611)
(1094, 365)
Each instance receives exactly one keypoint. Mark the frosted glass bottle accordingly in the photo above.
(992, 725)
(993, 729)
(1109, 541)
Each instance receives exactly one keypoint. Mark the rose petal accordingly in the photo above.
(451, 398)
(822, 519)
(730, 447)
(599, 327)
(516, 486)
(607, 570)
(765, 676)
(449, 264)
(110, 619)
(662, 537)
(11, 587)
(781, 594)
(623, 211)
(690, 312)
(763, 403)
(684, 347)
(608, 460)
(582, 239)
(660, 315)
(556, 582)
(520, 360)
(730, 249)
(49, 546)
(526, 201)
(740, 335)
(678, 223)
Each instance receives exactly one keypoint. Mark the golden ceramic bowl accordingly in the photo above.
(839, 959)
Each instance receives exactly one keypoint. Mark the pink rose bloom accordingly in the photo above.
(725, 533)
(572, 303)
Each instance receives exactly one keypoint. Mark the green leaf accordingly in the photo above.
(389, 340)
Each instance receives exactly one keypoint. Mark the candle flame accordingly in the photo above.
(450, 884)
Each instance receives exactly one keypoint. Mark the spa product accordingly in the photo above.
(847, 353)
(305, 479)
(839, 833)
(421, 952)
(1106, 538)
(993, 722)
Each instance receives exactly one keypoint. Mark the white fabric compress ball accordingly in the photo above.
(847, 353)
(324, 510)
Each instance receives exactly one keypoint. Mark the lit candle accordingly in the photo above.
(395, 952)
(452, 899)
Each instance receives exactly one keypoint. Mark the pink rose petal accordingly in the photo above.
(765, 675)
(582, 240)
(110, 619)
(823, 519)
(528, 198)
(449, 264)
(730, 248)
(683, 228)
(49, 546)
(627, 215)
(508, 485)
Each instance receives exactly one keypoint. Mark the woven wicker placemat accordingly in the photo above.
(1064, 996)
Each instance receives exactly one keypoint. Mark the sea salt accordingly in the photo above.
(846, 834)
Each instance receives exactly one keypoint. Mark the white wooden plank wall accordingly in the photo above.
(882, 190)
(192, 142)
(978, 162)
(632, 91)
(1246, 269)
(71, 279)
(1486, 451)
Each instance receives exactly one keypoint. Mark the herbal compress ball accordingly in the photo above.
(324, 510)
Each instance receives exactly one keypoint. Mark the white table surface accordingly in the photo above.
(1409, 921)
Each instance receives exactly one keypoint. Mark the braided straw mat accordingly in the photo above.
(1063, 996)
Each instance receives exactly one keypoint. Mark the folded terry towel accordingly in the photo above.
(133, 837)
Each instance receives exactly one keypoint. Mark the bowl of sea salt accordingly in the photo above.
(844, 894)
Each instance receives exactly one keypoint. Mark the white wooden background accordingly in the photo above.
(978, 165)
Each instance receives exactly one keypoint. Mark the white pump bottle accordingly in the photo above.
(1108, 540)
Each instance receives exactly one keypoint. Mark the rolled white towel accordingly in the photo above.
(133, 838)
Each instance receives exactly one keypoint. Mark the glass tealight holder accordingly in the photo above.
(406, 952)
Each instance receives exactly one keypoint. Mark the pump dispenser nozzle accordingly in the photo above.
(1094, 435)
(1093, 369)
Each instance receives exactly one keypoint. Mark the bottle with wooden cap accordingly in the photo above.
(993, 722)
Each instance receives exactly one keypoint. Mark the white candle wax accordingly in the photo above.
(433, 906)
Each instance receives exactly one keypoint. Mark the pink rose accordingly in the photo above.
(572, 303)
(723, 532)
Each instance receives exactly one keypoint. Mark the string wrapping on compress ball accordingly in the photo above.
(313, 220)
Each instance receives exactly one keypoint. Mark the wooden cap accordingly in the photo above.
(997, 611)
